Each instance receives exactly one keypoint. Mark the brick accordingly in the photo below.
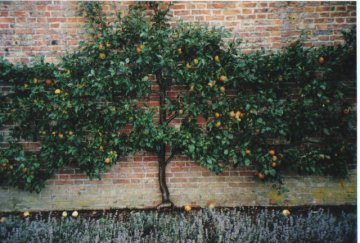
(218, 5)
(64, 182)
(7, 20)
(178, 6)
(200, 12)
(350, 20)
(78, 176)
(334, 15)
(121, 181)
(324, 8)
(40, 31)
(177, 180)
(217, 12)
(181, 12)
(200, 5)
(324, 32)
(231, 11)
(24, 31)
(247, 5)
(139, 175)
(54, 7)
(340, 8)
(56, 19)
(57, 25)
(40, 8)
(351, 7)
(19, 13)
(309, 9)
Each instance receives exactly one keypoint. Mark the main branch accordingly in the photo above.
(161, 153)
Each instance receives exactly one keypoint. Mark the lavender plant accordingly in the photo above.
(197, 226)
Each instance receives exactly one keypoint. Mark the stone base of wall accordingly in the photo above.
(133, 184)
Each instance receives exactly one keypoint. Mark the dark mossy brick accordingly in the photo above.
(324, 32)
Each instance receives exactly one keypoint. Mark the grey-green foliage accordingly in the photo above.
(198, 226)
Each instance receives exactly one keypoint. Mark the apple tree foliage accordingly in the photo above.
(290, 110)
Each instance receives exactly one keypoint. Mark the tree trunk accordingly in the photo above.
(161, 153)
(165, 195)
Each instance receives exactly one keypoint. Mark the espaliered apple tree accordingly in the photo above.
(275, 112)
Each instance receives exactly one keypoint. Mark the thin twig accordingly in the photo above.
(170, 119)
(173, 153)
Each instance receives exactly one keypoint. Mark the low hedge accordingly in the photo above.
(206, 225)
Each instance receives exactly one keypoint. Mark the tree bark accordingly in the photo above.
(161, 153)
(165, 195)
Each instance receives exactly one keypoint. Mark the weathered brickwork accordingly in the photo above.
(133, 184)
(50, 28)
(30, 29)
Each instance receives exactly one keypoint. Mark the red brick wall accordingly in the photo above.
(50, 28)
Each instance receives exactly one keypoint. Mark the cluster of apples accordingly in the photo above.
(274, 164)
(48, 82)
(58, 134)
(274, 158)
(64, 214)
(6, 166)
(195, 62)
(112, 154)
(222, 79)
(140, 48)
(102, 47)
(74, 214)
(238, 115)
(210, 205)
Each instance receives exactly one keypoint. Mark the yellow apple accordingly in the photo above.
(102, 56)
(211, 205)
(187, 208)
(75, 214)
(26, 214)
(285, 212)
